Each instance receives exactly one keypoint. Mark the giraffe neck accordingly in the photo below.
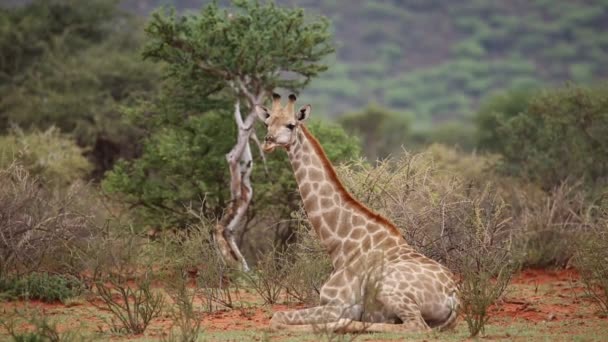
(346, 228)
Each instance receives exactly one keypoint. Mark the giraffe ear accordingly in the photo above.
(303, 113)
(262, 112)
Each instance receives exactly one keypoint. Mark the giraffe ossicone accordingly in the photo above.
(379, 282)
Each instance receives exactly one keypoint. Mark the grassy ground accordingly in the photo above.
(539, 306)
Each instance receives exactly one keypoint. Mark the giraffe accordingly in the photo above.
(379, 283)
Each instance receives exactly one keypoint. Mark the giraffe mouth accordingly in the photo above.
(269, 147)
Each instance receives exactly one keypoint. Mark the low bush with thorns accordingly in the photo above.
(591, 259)
(40, 227)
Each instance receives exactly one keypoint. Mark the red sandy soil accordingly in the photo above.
(536, 296)
(560, 298)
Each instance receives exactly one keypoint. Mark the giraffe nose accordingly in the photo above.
(269, 138)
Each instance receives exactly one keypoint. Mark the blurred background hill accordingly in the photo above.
(436, 59)
(409, 72)
(432, 61)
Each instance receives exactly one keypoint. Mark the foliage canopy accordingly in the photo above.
(211, 59)
(555, 136)
(256, 44)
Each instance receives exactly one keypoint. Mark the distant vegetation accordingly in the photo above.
(72, 66)
(437, 59)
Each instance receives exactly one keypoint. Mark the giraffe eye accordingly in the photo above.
(291, 126)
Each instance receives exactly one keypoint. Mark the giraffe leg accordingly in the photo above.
(315, 318)
(402, 305)
(349, 326)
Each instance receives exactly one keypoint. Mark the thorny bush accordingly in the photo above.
(591, 260)
(40, 227)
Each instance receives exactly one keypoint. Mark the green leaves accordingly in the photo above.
(211, 58)
(180, 165)
(253, 42)
(71, 64)
(552, 136)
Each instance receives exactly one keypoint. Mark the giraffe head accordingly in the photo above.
(282, 122)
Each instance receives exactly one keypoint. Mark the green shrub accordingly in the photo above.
(52, 73)
(590, 259)
(44, 329)
(382, 132)
(122, 271)
(132, 307)
(484, 260)
(496, 110)
(42, 228)
(183, 312)
(41, 286)
(268, 277)
(180, 164)
(50, 156)
(453, 134)
(557, 136)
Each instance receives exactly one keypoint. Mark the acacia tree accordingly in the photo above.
(239, 55)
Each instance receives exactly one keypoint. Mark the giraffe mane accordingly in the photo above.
(341, 189)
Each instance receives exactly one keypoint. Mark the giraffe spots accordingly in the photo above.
(326, 190)
(343, 229)
(413, 268)
(311, 204)
(443, 278)
(429, 294)
(373, 227)
(339, 261)
(415, 255)
(378, 238)
(315, 175)
(403, 286)
(324, 234)
(337, 199)
(334, 247)
(306, 159)
(433, 267)
(367, 243)
(344, 223)
(349, 245)
(295, 164)
(301, 173)
(343, 293)
(357, 233)
(330, 292)
(326, 203)
(315, 221)
(389, 245)
(305, 189)
(357, 220)
(416, 285)
(316, 162)
(297, 146)
(438, 286)
(331, 218)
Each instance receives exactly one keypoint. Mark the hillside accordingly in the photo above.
(436, 59)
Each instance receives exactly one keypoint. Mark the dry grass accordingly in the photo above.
(40, 227)
(591, 259)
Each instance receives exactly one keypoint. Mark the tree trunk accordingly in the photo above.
(240, 162)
